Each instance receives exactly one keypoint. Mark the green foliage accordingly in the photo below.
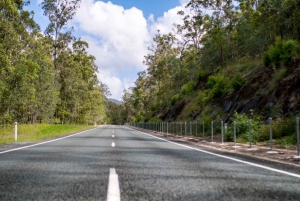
(290, 48)
(187, 88)
(282, 51)
(242, 128)
(201, 75)
(174, 99)
(237, 81)
(155, 107)
(279, 73)
(202, 98)
(218, 85)
(36, 132)
(42, 80)
(281, 128)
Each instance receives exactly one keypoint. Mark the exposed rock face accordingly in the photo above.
(256, 95)
(174, 111)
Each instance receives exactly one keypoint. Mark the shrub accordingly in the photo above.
(187, 88)
(174, 99)
(242, 128)
(281, 128)
(201, 75)
(202, 98)
(290, 49)
(237, 81)
(218, 85)
(282, 51)
(155, 107)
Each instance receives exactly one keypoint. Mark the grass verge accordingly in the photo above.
(37, 132)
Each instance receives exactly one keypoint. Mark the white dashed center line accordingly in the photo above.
(113, 144)
(113, 192)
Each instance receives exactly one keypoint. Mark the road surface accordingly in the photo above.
(116, 161)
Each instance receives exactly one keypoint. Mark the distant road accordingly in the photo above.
(94, 165)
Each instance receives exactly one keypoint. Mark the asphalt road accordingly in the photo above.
(148, 168)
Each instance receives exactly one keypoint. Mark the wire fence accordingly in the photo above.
(249, 131)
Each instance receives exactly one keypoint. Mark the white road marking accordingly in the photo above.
(113, 192)
(33, 145)
(113, 136)
(233, 159)
(113, 144)
(113, 129)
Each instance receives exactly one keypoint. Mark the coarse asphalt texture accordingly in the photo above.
(148, 168)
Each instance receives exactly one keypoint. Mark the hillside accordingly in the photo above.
(115, 101)
(269, 92)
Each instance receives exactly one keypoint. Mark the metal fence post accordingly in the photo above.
(191, 129)
(196, 129)
(203, 132)
(234, 133)
(250, 137)
(271, 135)
(298, 145)
(185, 129)
(181, 129)
(212, 131)
(222, 132)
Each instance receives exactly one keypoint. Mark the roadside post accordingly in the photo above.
(234, 134)
(191, 132)
(222, 134)
(196, 129)
(250, 139)
(271, 138)
(203, 132)
(298, 139)
(212, 131)
(16, 131)
(185, 129)
(167, 128)
(180, 129)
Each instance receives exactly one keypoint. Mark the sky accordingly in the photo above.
(119, 33)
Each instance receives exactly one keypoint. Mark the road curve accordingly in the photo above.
(147, 168)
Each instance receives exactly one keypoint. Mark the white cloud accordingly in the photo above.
(165, 24)
(119, 39)
(123, 33)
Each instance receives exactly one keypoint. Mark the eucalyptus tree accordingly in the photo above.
(60, 13)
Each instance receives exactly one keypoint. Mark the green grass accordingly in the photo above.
(36, 132)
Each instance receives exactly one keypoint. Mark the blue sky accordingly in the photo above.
(118, 33)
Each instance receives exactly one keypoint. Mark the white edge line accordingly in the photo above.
(234, 159)
(113, 192)
(33, 145)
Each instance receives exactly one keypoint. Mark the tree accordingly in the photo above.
(60, 13)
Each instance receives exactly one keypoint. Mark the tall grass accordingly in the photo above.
(36, 132)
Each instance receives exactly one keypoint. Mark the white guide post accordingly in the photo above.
(16, 131)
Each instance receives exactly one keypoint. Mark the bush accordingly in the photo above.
(201, 75)
(242, 128)
(237, 81)
(187, 88)
(218, 85)
(290, 49)
(155, 107)
(202, 98)
(174, 99)
(281, 128)
(282, 51)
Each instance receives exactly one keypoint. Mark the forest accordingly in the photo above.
(225, 53)
(47, 76)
